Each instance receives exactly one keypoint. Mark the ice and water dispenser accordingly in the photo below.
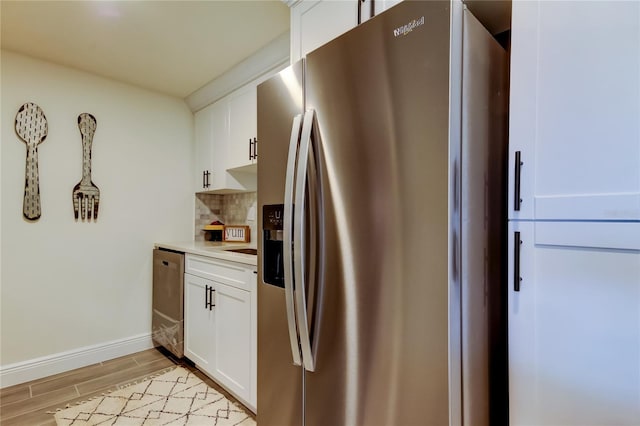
(272, 245)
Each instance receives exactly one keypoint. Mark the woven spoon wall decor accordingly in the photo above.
(86, 195)
(31, 126)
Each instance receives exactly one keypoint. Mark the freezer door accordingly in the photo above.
(379, 317)
(279, 380)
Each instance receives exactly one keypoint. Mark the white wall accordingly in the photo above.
(66, 284)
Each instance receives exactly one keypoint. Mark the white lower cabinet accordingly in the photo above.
(220, 323)
(232, 339)
(574, 323)
(199, 323)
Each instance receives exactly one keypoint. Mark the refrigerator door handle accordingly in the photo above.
(288, 239)
(301, 258)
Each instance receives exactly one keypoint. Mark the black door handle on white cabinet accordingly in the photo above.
(517, 201)
(253, 149)
(206, 297)
(212, 292)
(372, 10)
(517, 242)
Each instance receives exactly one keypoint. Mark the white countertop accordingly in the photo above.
(216, 250)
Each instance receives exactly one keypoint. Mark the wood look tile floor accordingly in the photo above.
(27, 404)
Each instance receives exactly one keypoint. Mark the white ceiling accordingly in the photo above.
(172, 47)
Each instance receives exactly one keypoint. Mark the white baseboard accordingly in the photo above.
(37, 368)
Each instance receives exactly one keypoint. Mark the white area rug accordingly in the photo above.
(177, 397)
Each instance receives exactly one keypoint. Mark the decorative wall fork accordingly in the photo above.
(86, 195)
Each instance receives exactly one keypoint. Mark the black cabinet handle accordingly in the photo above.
(165, 263)
(517, 242)
(516, 187)
(253, 148)
(360, 10)
(205, 178)
(372, 10)
(208, 297)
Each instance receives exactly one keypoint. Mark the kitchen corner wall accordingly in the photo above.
(68, 284)
(230, 209)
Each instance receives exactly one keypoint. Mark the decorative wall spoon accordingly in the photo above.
(31, 126)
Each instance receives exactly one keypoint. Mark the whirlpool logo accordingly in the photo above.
(407, 28)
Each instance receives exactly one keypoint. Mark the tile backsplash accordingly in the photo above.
(230, 209)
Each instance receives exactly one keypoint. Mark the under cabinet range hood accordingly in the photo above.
(381, 222)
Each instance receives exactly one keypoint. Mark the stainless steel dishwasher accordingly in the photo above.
(167, 324)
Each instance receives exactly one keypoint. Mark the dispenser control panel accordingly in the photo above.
(272, 261)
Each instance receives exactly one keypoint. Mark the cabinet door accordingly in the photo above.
(199, 322)
(220, 138)
(233, 345)
(574, 324)
(314, 23)
(575, 103)
(203, 148)
(243, 126)
(213, 150)
(382, 5)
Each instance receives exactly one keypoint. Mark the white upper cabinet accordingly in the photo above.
(243, 128)
(220, 179)
(382, 5)
(222, 132)
(574, 323)
(316, 22)
(203, 149)
(575, 110)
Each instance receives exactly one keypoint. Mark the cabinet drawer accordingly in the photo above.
(229, 273)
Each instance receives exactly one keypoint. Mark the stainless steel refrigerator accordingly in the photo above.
(381, 211)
